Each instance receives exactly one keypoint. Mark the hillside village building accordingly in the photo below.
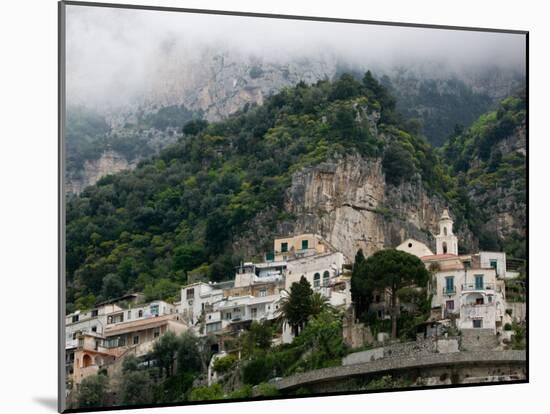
(467, 288)
(102, 336)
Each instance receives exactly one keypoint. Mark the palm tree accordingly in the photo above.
(320, 304)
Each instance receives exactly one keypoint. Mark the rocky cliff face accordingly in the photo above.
(505, 206)
(348, 202)
(212, 85)
(110, 162)
(219, 83)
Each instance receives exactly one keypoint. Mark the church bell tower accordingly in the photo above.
(446, 242)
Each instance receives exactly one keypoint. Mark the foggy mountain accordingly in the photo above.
(135, 78)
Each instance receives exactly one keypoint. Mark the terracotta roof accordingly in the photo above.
(139, 325)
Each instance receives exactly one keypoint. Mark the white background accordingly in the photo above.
(28, 203)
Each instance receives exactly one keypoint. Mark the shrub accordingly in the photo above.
(224, 364)
(214, 392)
(244, 392)
(92, 391)
(267, 390)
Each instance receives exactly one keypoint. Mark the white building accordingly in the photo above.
(320, 270)
(415, 248)
(468, 288)
(196, 298)
(91, 321)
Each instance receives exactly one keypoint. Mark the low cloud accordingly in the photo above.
(113, 53)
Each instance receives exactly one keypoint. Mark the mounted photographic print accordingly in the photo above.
(262, 206)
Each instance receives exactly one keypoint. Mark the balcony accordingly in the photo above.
(449, 290)
(477, 287)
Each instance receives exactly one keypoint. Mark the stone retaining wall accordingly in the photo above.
(454, 359)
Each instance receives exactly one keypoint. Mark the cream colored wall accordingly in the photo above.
(415, 248)
(308, 266)
(295, 244)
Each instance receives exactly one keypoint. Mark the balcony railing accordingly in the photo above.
(449, 290)
(478, 286)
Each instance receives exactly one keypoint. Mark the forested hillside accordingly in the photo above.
(181, 211)
(147, 228)
(489, 163)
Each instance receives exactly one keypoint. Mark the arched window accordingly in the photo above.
(326, 278)
(445, 230)
(444, 247)
(86, 360)
(316, 280)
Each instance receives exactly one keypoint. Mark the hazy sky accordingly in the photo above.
(113, 51)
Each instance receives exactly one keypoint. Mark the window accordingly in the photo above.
(140, 313)
(449, 284)
(253, 312)
(490, 299)
(450, 305)
(74, 318)
(377, 298)
(129, 315)
(467, 264)
(305, 244)
(154, 310)
(94, 313)
(479, 301)
(136, 340)
(326, 278)
(493, 264)
(444, 247)
(119, 317)
(477, 323)
(316, 280)
(94, 328)
(284, 247)
(263, 292)
(228, 315)
(236, 310)
(190, 294)
(156, 333)
(213, 327)
(479, 281)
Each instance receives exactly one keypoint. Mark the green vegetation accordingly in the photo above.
(88, 135)
(439, 105)
(392, 271)
(519, 337)
(178, 212)
(491, 175)
(93, 391)
(516, 289)
(224, 364)
(214, 392)
(387, 382)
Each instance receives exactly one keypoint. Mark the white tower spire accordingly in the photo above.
(446, 242)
